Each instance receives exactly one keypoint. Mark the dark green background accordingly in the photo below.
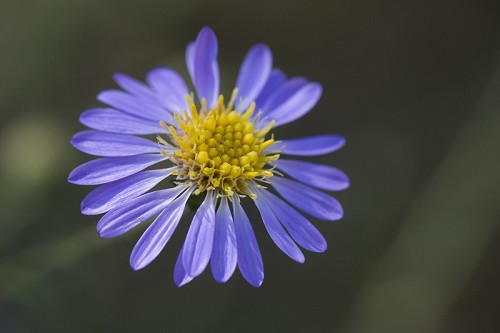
(414, 86)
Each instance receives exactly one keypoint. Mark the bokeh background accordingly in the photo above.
(414, 86)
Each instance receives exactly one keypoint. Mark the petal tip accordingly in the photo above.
(318, 88)
(136, 263)
(181, 283)
(206, 30)
(336, 218)
(346, 184)
(117, 76)
(101, 96)
(320, 247)
(73, 179)
(262, 47)
(85, 210)
(74, 141)
(207, 34)
(103, 231)
(221, 280)
(181, 279)
(257, 283)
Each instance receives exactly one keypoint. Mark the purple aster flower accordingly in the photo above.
(220, 150)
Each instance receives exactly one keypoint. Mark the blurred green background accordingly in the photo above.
(413, 85)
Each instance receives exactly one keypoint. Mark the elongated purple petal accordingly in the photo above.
(171, 88)
(108, 169)
(216, 78)
(307, 199)
(253, 75)
(110, 195)
(301, 230)
(205, 56)
(135, 211)
(156, 236)
(199, 239)
(130, 104)
(180, 275)
(190, 62)
(224, 252)
(111, 144)
(313, 145)
(321, 176)
(297, 105)
(136, 88)
(190, 52)
(284, 93)
(249, 257)
(111, 120)
(275, 81)
(277, 233)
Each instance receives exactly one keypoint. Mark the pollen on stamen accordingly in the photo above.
(220, 149)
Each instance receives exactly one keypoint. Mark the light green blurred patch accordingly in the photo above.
(32, 151)
(35, 152)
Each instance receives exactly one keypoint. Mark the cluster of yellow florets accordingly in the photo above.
(219, 149)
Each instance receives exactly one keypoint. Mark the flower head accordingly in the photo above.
(220, 149)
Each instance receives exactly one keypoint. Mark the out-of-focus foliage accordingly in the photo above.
(413, 86)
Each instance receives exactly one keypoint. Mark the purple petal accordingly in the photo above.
(190, 52)
(180, 275)
(199, 239)
(110, 195)
(135, 211)
(321, 176)
(224, 252)
(108, 169)
(216, 76)
(171, 88)
(111, 120)
(136, 88)
(206, 74)
(276, 80)
(132, 105)
(307, 199)
(253, 75)
(249, 257)
(156, 236)
(301, 230)
(112, 145)
(277, 233)
(284, 93)
(313, 145)
(297, 105)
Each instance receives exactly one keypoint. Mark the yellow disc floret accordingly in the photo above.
(219, 149)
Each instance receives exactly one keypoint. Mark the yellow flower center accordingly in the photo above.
(220, 149)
